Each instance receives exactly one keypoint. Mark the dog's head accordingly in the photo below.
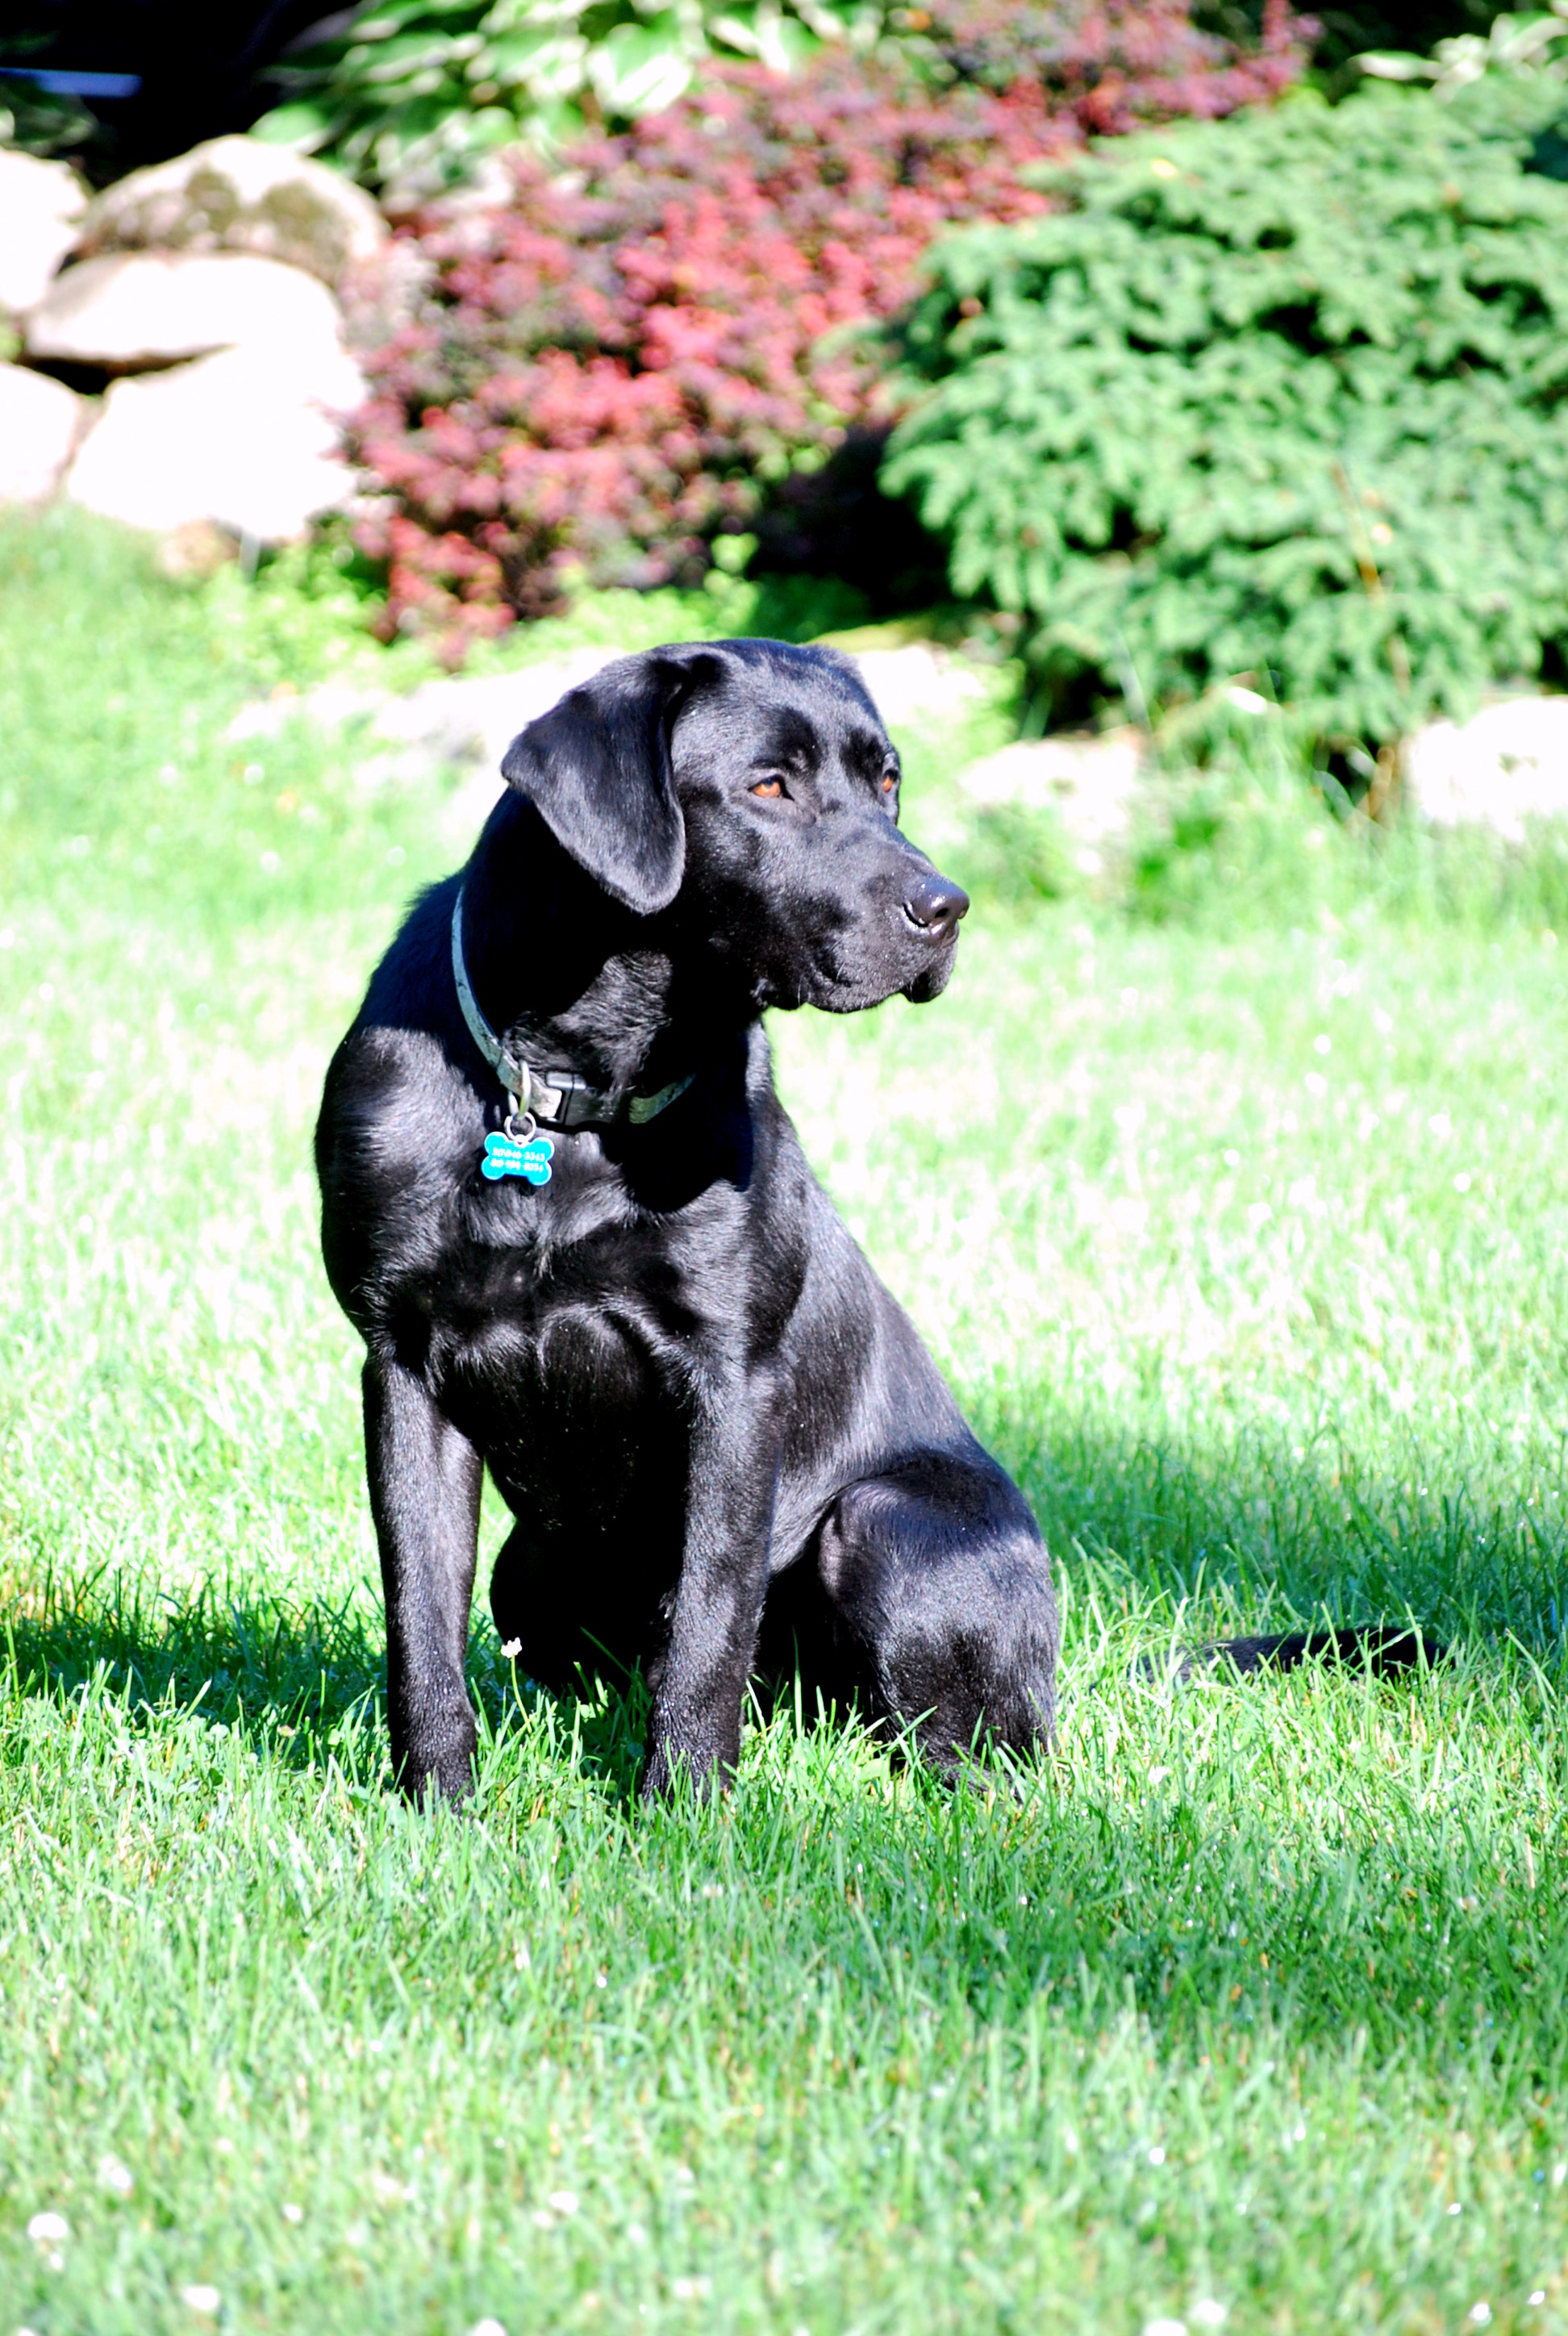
(747, 793)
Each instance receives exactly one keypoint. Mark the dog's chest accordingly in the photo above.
(572, 1393)
(548, 1335)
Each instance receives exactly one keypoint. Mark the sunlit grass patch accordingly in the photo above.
(1248, 1997)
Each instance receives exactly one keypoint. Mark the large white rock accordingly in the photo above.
(127, 310)
(246, 437)
(239, 195)
(461, 725)
(1507, 764)
(917, 680)
(39, 421)
(1092, 782)
(39, 205)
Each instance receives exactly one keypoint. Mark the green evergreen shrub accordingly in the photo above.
(1283, 399)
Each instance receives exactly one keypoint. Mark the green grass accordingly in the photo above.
(1254, 1997)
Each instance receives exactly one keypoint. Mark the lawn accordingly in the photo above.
(1249, 1255)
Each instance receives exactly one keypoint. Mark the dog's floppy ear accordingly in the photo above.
(597, 769)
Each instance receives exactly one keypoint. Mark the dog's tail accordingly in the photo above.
(1373, 1646)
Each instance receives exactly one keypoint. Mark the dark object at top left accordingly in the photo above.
(198, 71)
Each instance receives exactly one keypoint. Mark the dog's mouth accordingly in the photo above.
(931, 982)
(834, 988)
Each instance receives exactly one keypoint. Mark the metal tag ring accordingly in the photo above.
(520, 1127)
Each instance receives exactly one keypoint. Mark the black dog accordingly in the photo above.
(722, 1440)
(725, 1445)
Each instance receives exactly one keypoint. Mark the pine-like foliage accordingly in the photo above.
(677, 342)
(1287, 398)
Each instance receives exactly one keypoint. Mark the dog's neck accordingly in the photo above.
(567, 977)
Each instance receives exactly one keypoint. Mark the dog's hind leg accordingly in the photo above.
(565, 1612)
(937, 1576)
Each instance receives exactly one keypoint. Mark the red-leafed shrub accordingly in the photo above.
(611, 370)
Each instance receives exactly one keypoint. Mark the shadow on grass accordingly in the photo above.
(1195, 1897)
(1154, 1546)
(1256, 1535)
(243, 1657)
(299, 1673)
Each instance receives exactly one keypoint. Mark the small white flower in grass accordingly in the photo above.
(511, 1649)
(293, 2214)
(636, 2236)
(1156, 2155)
(689, 2291)
(1208, 2311)
(1462, 1181)
(199, 2297)
(1559, 2175)
(1315, 1084)
(1322, 1044)
(1158, 1776)
(487, 2328)
(1537, 2295)
(116, 2175)
(1164, 2328)
(563, 2202)
(1480, 2315)
(48, 2229)
(1453, 2207)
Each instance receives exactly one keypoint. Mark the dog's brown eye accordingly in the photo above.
(890, 781)
(768, 787)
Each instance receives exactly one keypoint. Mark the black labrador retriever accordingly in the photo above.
(567, 1213)
(725, 1448)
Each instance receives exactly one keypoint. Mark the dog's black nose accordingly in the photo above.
(935, 905)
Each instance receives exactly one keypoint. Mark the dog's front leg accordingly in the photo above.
(425, 1488)
(697, 1707)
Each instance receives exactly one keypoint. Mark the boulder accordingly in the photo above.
(127, 311)
(39, 205)
(915, 680)
(1090, 781)
(239, 195)
(1505, 767)
(39, 421)
(246, 437)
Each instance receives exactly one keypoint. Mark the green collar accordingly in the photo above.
(555, 1098)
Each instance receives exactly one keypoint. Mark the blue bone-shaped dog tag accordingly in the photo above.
(505, 1156)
